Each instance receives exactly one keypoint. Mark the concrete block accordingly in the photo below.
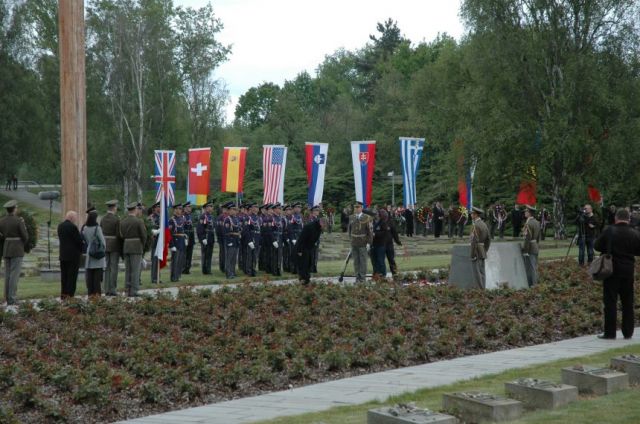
(629, 364)
(541, 394)
(504, 266)
(478, 407)
(596, 381)
(407, 414)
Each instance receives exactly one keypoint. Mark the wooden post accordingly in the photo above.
(73, 118)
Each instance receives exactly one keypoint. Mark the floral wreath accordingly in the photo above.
(424, 214)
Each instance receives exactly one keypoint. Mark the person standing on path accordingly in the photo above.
(93, 267)
(190, 234)
(71, 246)
(530, 247)
(480, 242)
(14, 237)
(231, 235)
(207, 237)
(304, 246)
(110, 225)
(178, 244)
(623, 243)
(361, 236)
(134, 235)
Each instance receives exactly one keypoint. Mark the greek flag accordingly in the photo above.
(410, 153)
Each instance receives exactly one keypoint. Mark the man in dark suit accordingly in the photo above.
(305, 246)
(623, 242)
(70, 253)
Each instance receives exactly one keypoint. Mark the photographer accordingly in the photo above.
(587, 227)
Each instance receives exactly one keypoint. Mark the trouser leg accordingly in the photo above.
(221, 256)
(589, 245)
(581, 249)
(627, 301)
(304, 266)
(135, 265)
(13, 270)
(188, 257)
(478, 273)
(231, 256)
(154, 269)
(111, 273)
(610, 300)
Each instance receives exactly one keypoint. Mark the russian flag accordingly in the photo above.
(363, 155)
(316, 160)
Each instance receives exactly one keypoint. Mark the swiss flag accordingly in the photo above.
(199, 169)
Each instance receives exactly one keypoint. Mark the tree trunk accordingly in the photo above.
(558, 211)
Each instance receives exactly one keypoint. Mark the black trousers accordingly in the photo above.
(612, 288)
(207, 254)
(390, 252)
(69, 277)
(305, 262)
(437, 228)
(93, 278)
(189, 254)
(221, 255)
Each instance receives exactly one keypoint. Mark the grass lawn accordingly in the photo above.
(36, 287)
(619, 408)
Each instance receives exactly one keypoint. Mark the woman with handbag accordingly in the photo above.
(95, 259)
(622, 242)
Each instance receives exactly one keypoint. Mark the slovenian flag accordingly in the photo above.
(363, 155)
(410, 154)
(233, 163)
(316, 159)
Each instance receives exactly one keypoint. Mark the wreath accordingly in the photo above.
(32, 229)
(424, 214)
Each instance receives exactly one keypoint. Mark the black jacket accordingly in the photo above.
(70, 241)
(625, 244)
(309, 236)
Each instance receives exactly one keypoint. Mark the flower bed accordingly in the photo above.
(110, 360)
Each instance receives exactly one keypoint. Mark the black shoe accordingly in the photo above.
(628, 337)
(604, 336)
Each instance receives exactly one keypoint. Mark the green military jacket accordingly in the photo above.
(480, 240)
(531, 236)
(110, 225)
(134, 234)
(360, 230)
(13, 233)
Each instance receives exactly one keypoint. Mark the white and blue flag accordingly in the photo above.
(316, 160)
(410, 154)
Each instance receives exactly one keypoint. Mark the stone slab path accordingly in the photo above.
(379, 386)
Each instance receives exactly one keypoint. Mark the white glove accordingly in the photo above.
(251, 245)
(230, 244)
(275, 244)
(294, 242)
(368, 247)
(173, 249)
(204, 242)
(186, 242)
(155, 232)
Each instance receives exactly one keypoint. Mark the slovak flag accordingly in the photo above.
(165, 167)
(363, 156)
(316, 159)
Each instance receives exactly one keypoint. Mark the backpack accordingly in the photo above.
(97, 248)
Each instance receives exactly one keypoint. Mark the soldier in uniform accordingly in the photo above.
(277, 231)
(286, 242)
(294, 228)
(206, 235)
(438, 219)
(545, 220)
(178, 243)
(14, 237)
(305, 242)
(191, 236)
(480, 242)
(219, 234)
(110, 224)
(231, 234)
(154, 218)
(315, 216)
(361, 235)
(134, 235)
(252, 233)
(242, 216)
(264, 261)
(498, 220)
(530, 247)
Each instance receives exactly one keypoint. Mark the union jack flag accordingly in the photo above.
(165, 180)
(274, 160)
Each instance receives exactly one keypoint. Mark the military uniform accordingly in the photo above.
(178, 244)
(294, 228)
(219, 234)
(315, 252)
(134, 235)
(480, 242)
(110, 224)
(361, 235)
(286, 242)
(266, 224)
(231, 234)
(252, 233)
(242, 217)
(277, 231)
(191, 237)
(154, 218)
(206, 235)
(530, 248)
(14, 236)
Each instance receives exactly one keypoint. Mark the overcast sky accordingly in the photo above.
(274, 40)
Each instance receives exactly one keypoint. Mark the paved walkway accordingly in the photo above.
(361, 389)
(26, 197)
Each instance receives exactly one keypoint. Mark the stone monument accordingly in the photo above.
(596, 381)
(479, 407)
(629, 364)
(541, 394)
(407, 414)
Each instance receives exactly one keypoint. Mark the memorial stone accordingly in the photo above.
(541, 394)
(597, 381)
(407, 414)
(478, 407)
(629, 364)
(504, 267)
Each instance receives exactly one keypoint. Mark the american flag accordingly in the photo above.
(274, 160)
(165, 180)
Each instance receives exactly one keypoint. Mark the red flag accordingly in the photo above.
(594, 194)
(462, 192)
(527, 193)
(199, 168)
